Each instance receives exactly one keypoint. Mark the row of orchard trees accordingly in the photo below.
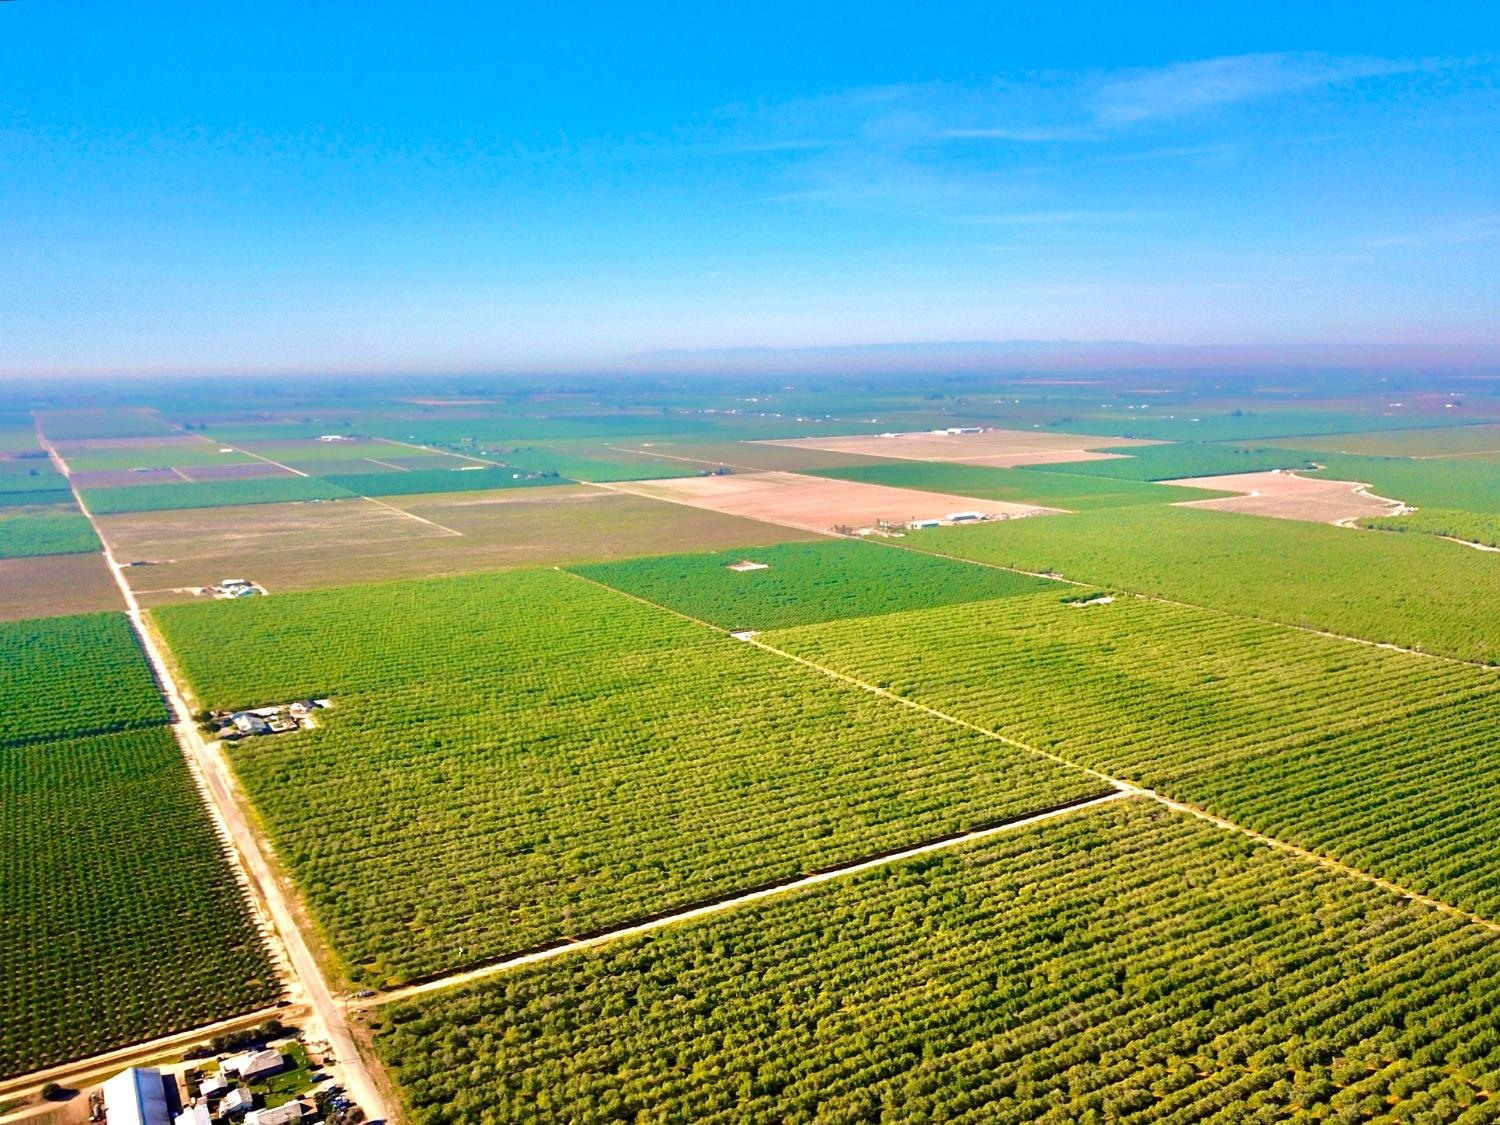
(512, 759)
(1124, 963)
(1376, 757)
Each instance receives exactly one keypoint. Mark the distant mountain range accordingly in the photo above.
(1011, 355)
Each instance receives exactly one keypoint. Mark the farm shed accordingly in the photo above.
(137, 1096)
(238, 1101)
(251, 1065)
(212, 1085)
(286, 1114)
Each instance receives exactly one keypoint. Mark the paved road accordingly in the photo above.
(307, 983)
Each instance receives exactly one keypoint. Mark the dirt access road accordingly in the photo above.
(273, 899)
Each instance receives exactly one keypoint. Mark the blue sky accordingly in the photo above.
(466, 187)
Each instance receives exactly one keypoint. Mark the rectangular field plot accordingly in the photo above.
(315, 546)
(795, 584)
(1479, 442)
(1469, 527)
(1187, 459)
(1119, 964)
(1411, 590)
(817, 504)
(210, 494)
(61, 677)
(998, 448)
(1470, 485)
(46, 534)
(55, 585)
(123, 920)
(1378, 757)
(515, 758)
(1019, 486)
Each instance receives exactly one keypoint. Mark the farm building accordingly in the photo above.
(247, 723)
(964, 517)
(286, 1114)
(238, 1101)
(212, 1086)
(918, 525)
(250, 1065)
(137, 1096)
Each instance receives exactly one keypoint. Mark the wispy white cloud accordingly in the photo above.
(1053, 218)
(1453, 232)
(1187, 88)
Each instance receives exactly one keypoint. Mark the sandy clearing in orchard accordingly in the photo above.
(1285, 495)
(997, 448)
(816, 503)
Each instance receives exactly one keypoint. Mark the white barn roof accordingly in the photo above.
(136, 1097)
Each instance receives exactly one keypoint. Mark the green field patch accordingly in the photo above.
(1020, 486)
(514, 758)
(62, 677)
(164, 456)
(1470, 527)
(1184, 460)
(1411, 590)
(46, 534)
(83, 424)
(18, 438)
(798, 583)
(122, 919)
(1118, 964)
(32, 481)
(211, 494)
(1258, 723)
(1180, 423)
(1459, 485)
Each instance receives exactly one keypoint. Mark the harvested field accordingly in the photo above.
(817, 503)
(238, 471)
(52, 585)
(997, 448)
(315, 546)
(1287, 496)
(159, 441)
(120, 478)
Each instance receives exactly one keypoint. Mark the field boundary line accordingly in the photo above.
(1136, 789)
(387, 464)
(305, 982)
(1122, 785)
(78, 1071)
(441, 452)
(1163, 600)
(791, 886)
(414, 516)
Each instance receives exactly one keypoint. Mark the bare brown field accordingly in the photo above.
(998, 448)
(816, 503)
(162, 441)
(116, 478)
(237, 471)
(1287, 496)
(53, 585)
(314, 546)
